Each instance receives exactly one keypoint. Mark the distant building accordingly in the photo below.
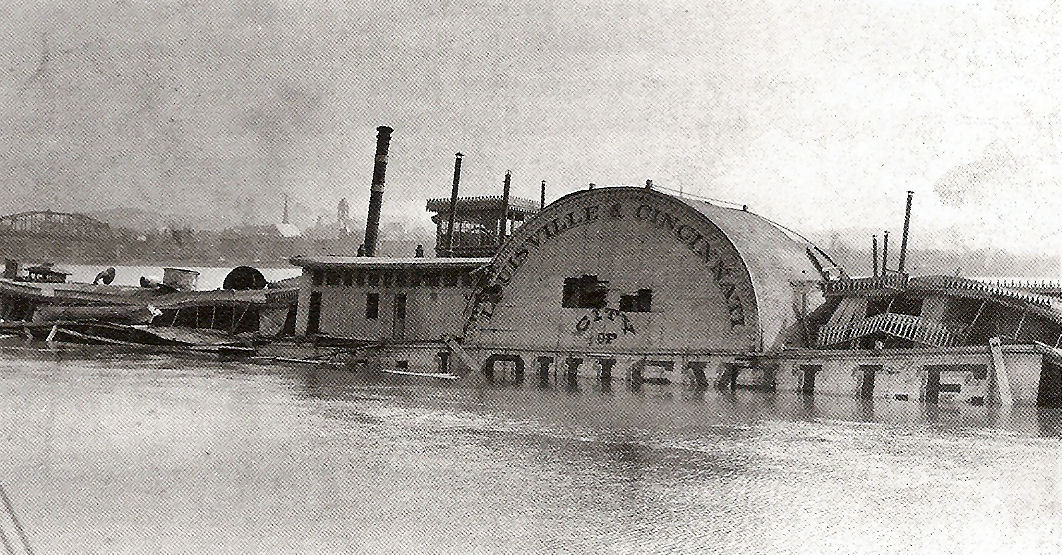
(342, 227)
(286, 231)
(343, 211)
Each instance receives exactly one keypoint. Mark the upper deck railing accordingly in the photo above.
(959, 284)
(912, 328)
(1040, 293)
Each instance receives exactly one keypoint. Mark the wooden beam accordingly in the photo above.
(1020, 322)
(965, 333)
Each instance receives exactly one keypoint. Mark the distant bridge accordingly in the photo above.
(53, 223)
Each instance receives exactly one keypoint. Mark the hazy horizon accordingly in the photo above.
(818, 115)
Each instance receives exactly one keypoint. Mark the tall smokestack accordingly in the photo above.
(542, 202)
(286, 209)
(906, 225)
(453, 206)
(885, 254)
(874, 241)
(379, 168)
(504, 223)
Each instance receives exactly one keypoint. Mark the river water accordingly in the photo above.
(116, 453)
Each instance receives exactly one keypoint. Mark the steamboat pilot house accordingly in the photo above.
(408, 301)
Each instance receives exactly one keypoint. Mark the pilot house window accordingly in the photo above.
(372, 306)
(641, 302)
(584, 292)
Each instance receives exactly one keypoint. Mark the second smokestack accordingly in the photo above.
(906, 226)
(885, 254)
(453, 206)
(874, 247)
(504, 218)
(379, 168)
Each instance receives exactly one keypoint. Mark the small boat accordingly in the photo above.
(120, 314)
(109, 333)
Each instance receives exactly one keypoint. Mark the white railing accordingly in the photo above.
(912, 328)
(956, 285)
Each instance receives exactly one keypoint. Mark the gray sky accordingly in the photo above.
(817, 114)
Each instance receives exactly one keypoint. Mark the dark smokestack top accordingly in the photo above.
(453, 206)
(379, 170)
(874, 242)
(906, 226)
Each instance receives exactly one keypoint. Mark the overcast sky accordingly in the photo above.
(817, 114)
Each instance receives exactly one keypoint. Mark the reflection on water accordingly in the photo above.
(116, 453)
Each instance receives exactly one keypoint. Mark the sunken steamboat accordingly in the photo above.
(649, 286)
(640, 285)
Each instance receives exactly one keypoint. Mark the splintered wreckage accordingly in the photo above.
(169, 314)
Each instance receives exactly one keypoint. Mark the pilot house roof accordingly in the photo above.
(521, 206)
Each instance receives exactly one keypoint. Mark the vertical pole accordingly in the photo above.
(966, 330)
(875, 255)
(504, 220)
(453, 206)
(542, 200)
(379, 168)
(804, 315)
(1017, 330)
(885, 254)
(903, 240)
